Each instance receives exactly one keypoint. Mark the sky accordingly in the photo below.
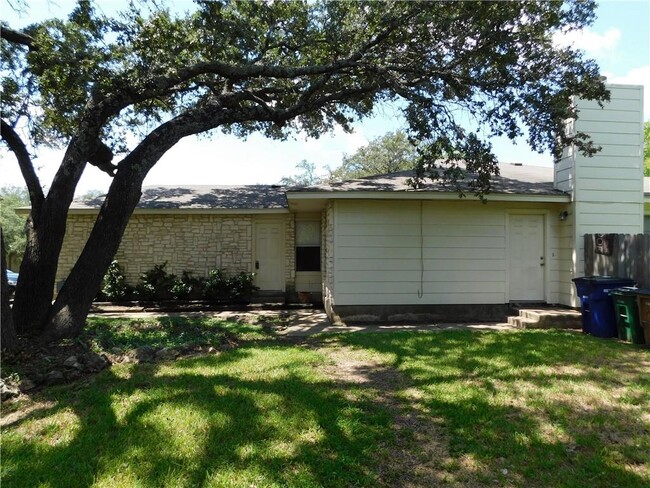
(619, 41)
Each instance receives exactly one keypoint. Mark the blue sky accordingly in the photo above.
(619, 40)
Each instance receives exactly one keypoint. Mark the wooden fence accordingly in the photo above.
(620, 255)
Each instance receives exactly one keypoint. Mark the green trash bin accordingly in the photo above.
(626, 311)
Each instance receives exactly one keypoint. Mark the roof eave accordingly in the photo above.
(177, 211)
(420, 195)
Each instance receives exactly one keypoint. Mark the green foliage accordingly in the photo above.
(389, 153)
(646, 150)
(156, 283)
(187, 287)
(13, 225)
(283, 67)
(215, 287)
(306, 175)
(241, 286)
(115, 287)
(91, 195)
(221, 287)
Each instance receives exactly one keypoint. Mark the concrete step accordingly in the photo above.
(521, 322)
(546, 318)
(268, 297)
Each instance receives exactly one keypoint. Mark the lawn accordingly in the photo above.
(456, 408)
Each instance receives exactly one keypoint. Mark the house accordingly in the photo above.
(376, 248)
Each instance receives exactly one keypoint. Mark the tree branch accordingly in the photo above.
(18, 38)
(17, 146)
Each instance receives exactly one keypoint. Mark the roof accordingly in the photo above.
(514, 179)
(203, 197)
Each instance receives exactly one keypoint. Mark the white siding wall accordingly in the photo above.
(379, 255)
(562, 266)
(608, 187)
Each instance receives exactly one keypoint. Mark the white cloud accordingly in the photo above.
(591, 42)
(636, 76)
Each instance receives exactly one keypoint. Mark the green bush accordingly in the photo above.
(241, 285)
(219, 287)
(114, 287)
(216, 286)
(156, 284)
(187, 287)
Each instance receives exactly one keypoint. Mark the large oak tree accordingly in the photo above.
(272, 67)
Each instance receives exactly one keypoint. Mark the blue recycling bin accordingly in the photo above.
(598, 317)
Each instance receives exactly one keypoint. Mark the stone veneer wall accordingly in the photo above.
(76, 234)
(188, 242)
(327, 264)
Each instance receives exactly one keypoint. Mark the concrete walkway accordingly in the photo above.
(307, 322)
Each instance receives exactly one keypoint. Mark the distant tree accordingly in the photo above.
(389, 153)
(646, 150)
(13, 225)
(90, 195)
(306, 176)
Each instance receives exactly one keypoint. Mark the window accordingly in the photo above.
(307, 245)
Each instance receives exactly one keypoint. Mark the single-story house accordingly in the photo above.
(376, 248)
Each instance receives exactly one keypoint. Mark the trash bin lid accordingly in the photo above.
(626, 291)
(606, 280)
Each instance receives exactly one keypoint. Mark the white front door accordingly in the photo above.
(526, 257)
(269, 255)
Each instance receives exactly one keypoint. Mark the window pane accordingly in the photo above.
(308, 259)
(307, 233)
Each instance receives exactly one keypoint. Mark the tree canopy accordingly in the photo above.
(13, 225)
(389, 153)
(306, 175)
(462, 73)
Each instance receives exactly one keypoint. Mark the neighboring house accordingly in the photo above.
(375, 248)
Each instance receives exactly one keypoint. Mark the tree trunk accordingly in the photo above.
(45, 233)
(68, 314)
(8, 337)
(37, 274)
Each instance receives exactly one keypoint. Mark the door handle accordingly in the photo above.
(257, 265)
(541, 259)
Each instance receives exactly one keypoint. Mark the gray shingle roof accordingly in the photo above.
(204, 197)
(514, 179)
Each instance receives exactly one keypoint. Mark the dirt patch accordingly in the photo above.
(419, 453)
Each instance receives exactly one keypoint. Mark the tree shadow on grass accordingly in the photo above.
(527, 408)
(236, 419)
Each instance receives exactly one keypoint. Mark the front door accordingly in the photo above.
(269, 255)
(526, 257)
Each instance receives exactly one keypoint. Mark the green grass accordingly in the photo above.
(107, 333)
(528, 408)
(534, 408)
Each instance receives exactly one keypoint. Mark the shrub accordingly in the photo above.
(115, 287)
(187, 287)
(241, 285)
(220, 287)
(216, 286)
(156, 284)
